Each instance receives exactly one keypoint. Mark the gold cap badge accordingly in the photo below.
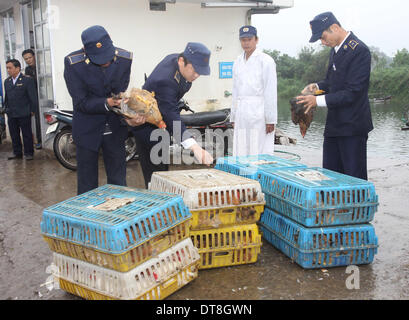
(245, 29)
(99, 45)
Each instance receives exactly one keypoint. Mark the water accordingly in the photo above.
(386, 139)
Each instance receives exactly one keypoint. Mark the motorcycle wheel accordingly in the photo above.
(131, 147)
(64, 149)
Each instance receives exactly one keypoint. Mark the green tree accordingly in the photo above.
(388, 76)
(379, 59)
(401, 58)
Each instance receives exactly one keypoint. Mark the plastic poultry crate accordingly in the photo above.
(129, 259)
(250, 166)
(215, 198)
(319, 197)
(155, 279)
(320, 247)
(227, 246)
(113, 219)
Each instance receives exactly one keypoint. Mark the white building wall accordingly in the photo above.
(150, 35)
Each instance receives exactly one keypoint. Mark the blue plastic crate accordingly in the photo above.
(150, 213)
(319, 197)
(320, 247)
(250, 166)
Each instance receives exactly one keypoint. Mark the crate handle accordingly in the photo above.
(221, 255)
(164, 239)
(169, 283)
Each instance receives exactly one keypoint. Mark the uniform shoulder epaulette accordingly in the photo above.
(353, 44)
(76, 58)
(177, 76)
(123, 53)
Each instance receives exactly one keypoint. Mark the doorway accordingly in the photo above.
(26, 10)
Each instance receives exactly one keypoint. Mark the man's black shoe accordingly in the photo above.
(15, 156)
(29, 157)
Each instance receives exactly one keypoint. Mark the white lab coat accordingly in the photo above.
(254, 103)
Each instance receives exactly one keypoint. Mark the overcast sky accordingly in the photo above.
(382, 24)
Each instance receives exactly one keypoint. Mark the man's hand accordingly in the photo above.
(136, 120)
(269, 128)
(308, 102)
(113, 103)
(202, 155)
(310, 89)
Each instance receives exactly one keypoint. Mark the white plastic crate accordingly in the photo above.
(208, 188)
(155, 279)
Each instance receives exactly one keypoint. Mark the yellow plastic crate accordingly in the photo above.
(125, 261)
(227, 246)
(223, 217)
(155, 279)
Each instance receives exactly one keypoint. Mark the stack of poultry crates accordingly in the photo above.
(225, 210)
(116, 242)
(317, 217)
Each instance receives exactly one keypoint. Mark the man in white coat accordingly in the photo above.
(254, 98)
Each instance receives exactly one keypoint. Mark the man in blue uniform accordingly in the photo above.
(92, 75)
(29, 57)
(170, 80)
(346, 86)
(20, 104)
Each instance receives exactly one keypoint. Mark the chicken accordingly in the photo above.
(298, 115)
(142, 102)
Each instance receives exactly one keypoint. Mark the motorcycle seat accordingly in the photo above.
(205, 118)
(68, 111)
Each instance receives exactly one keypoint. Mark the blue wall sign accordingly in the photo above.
(225, 70)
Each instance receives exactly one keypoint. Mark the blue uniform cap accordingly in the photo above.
(98, 44)
(321, 23)
(198, 55)
(247, 32)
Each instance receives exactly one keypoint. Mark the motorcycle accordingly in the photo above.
(60, 130)
(211, 129)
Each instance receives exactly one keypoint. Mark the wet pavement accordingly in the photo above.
(27, 187)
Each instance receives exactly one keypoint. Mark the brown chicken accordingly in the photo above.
(143, 102)
(298, 115)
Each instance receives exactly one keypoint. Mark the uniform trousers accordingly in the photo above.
(22, 124)
(147, 165)
(151, 160)
(114, 162)
(346, 155)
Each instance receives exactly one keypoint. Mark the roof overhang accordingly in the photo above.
(251, 4)
(266, 4)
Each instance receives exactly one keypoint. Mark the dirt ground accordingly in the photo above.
(27, 187)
